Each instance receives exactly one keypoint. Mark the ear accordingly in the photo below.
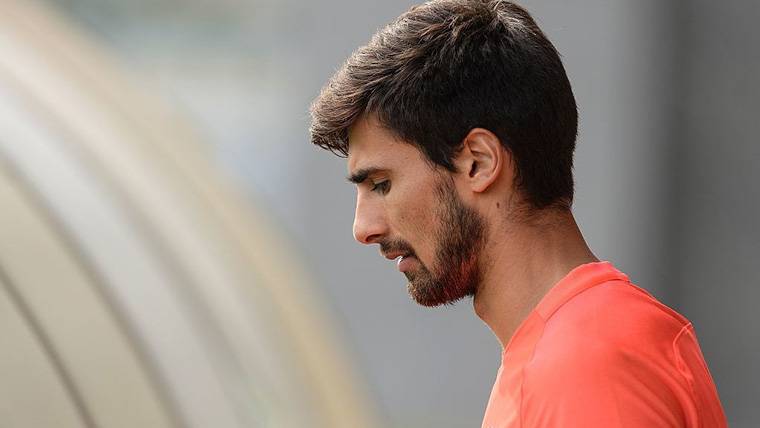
(481, 159)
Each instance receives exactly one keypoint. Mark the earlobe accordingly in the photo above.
(483, 157)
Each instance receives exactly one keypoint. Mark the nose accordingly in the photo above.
(369, 220)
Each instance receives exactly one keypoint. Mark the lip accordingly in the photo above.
(405, 263)
(394, 255)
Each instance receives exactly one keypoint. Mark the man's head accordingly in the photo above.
(413, 211)
(461, 103)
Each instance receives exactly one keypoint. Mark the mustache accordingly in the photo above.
(390, 245)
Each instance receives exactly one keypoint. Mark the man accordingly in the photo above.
(459, 125)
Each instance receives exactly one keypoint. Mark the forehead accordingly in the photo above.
(370, 145)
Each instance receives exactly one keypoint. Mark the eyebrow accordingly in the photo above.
(358, 176)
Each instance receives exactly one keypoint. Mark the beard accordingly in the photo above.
(456, 271)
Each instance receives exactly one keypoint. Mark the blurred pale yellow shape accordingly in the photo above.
(146, 291)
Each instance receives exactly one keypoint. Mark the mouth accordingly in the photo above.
(403, 260)
(405, 263)
(395, 255)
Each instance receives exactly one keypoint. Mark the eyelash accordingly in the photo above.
(382, 186)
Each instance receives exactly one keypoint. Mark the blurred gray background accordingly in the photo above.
(667, 168)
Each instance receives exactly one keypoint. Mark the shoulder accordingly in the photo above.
(612, 317)
(608, 350)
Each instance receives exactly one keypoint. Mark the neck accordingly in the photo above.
(524, 262)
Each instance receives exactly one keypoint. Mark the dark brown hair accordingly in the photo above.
(448, 66)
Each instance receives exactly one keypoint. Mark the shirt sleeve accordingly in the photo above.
(707, 409)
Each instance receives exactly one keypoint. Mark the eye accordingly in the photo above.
(381, 186)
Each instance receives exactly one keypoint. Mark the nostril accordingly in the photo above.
(366, 232)
(366, 235)
(361, 235)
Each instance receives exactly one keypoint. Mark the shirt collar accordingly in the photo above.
(579, 279)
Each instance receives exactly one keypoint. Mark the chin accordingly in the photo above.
(431, 296)
(428, 303)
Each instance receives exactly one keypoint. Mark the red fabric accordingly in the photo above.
(598, 351)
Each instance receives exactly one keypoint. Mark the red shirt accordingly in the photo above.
(597, 351)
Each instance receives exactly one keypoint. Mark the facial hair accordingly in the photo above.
(459, 237)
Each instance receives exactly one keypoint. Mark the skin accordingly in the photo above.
(523, 252)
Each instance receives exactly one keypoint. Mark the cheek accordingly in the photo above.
(413, 218)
